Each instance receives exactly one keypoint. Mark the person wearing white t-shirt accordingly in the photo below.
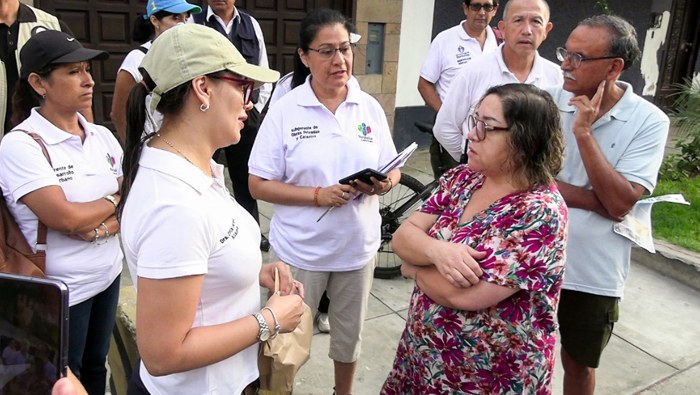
(614, 148)
(73, 193)
(449, 52)
(160, 16)
(312, 137)
(192, 250)
(525, 26)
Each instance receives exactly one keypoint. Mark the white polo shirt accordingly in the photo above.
(86, 171)
(302, 143)
(451, 50)
(179, 222)
(470, 85)
(631, 136)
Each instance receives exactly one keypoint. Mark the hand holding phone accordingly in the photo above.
(364, 176)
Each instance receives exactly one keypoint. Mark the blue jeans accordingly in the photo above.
(91, 323)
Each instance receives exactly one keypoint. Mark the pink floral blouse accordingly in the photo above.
(507, 348)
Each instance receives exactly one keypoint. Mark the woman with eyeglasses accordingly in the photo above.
(322, 131)
(192, 249)
(160, 16)
(499, 218)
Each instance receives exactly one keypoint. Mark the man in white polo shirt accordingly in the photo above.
(525, 26)
(451, 50)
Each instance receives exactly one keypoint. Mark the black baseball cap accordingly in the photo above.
(53, 47)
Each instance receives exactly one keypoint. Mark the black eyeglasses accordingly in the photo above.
(576, 58)
(481, 127)
(245, 85)
(478, 6)
(329, 52)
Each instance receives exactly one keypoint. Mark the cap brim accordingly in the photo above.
(258, 74)
(182, 8)
(81, 55)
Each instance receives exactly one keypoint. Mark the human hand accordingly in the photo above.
(288, 310)
(408, 270)
(335, 195)
(68, 386)
(287, 283)
(375, 188)
(458, 263)
(112, 224)
(587, 112)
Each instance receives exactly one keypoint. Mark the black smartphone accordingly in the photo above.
(363, 175)
(33, 334)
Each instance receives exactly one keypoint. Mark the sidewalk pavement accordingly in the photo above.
(655, 348)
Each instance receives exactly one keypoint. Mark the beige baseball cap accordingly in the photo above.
(187, 51)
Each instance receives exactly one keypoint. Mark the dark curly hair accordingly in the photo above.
(536, 140)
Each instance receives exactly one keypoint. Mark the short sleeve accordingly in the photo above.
(267, 156)
(23, 166)
(131, 64)
(188, 248)
(432, 65)
(642, 159)
(526, 248)
(440, 200)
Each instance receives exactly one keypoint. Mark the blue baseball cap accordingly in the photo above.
(171, 6)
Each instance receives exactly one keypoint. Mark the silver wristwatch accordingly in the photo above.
(264, 332)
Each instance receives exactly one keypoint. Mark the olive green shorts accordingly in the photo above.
(586, 324)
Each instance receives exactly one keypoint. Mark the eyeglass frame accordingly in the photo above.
(247, 86)
(473, 123)
(575, 55)
(320, 51)
(476, 7)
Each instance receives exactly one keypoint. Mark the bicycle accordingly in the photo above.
(394, 208)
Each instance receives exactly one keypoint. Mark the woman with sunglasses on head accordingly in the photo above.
(318, 133)
(487, 252)
(192, 250)
(160, 16)
(71, 193)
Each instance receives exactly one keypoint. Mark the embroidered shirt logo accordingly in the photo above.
(111, 160)
(364, 129)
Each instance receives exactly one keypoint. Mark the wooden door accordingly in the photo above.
(280, 20)
(107, 25)
(104, 25)
(681, 50)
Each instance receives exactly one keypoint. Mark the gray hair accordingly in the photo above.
(623, 37)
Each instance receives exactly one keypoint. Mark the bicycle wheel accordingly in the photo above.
(394, 207)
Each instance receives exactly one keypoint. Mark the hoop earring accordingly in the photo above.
(203, 108)
(43, 96)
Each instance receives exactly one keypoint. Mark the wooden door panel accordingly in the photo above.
(107, 25)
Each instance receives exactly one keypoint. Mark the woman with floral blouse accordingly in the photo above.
(487, 252)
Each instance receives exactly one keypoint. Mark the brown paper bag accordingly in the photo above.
(280, 358)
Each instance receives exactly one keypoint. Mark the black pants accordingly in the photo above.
(237, 156)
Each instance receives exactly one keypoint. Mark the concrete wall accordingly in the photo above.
(381, 86)
(565, 15)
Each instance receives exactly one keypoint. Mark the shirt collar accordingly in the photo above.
(25, 14)
(535, 73)
(622, 110)
(464, 36)
(308, 98)
(178, 167)
(50, 134)
(236, 15)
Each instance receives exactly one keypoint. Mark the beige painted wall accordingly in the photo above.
(381, 86)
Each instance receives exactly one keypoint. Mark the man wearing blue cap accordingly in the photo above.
(246, 35)
(18, 22)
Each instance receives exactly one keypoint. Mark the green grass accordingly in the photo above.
(677, 223)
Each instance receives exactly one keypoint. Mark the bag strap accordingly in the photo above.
(498, 34)
(41, 229)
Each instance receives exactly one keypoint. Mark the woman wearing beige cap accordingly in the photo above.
(191, 249)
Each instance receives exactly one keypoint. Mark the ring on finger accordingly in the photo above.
(372, 190)
(342, 195)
